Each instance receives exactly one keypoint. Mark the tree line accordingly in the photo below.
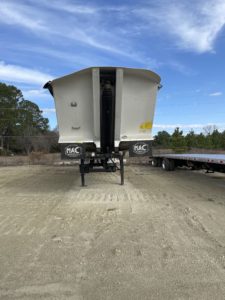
(210, 138)
(22, 126)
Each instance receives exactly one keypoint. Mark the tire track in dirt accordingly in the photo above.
(107, 241)
(188, 214)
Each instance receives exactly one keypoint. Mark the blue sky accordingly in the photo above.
(183, 41)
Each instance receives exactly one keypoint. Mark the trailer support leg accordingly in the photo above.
(82, 172)
(121, 170)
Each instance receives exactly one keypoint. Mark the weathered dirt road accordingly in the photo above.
(160, 236)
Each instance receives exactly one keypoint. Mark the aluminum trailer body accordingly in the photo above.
(103, 111)
(208, 162)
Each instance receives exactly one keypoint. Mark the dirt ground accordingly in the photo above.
(160, 236)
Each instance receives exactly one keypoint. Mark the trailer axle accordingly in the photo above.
(102, 162)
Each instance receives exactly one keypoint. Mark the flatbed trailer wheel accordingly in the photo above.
(168, 164)
(155, 162)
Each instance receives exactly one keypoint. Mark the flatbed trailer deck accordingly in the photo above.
(209, 162)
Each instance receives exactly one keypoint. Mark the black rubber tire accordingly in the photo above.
(172, 164)
(155, 162)
(168, 164)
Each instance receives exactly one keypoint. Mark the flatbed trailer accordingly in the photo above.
(208, 162)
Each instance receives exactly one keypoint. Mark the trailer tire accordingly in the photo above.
(172, 164)
(155, 162)
(168, 164)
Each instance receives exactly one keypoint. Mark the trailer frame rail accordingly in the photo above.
(209, 162)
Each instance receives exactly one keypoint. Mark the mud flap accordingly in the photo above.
(140, 148)
(72, 151)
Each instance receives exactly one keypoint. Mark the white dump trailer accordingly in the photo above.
(102, 111)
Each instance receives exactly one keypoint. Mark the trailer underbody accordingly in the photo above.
(102, 162)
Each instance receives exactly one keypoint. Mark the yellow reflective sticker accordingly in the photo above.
(146, 125)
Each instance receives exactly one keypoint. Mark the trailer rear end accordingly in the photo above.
(102, 112)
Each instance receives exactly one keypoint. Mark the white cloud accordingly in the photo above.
(20, 15)
(47, 110)
(36, 93)
(188, 126)
(85, 25)
(67, 58)
(193, 25)
(183, 69)
(70, 7)
(15, 73)
(46, 23)
(79, 8)
(216, 94)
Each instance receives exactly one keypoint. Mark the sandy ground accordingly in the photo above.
(160, 236)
